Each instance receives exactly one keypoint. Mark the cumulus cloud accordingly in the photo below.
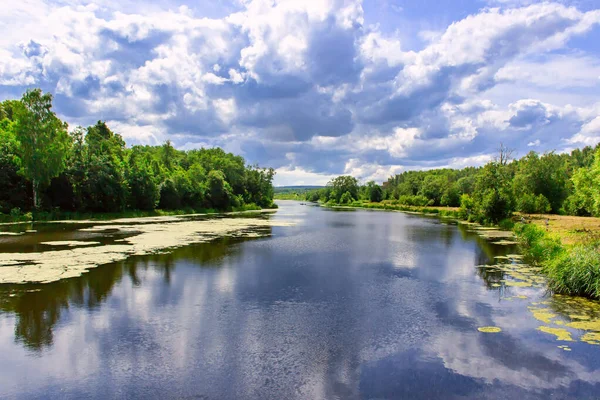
(309, 87)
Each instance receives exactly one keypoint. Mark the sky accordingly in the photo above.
(320, 88)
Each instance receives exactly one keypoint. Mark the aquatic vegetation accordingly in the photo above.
(560, 333)
(591, 338)
(518, 284)
(542, 314)
(70, 243)
(147, 238)
(489, 329)
(495, 234)
(564, 347)
(593, 325)
(505, 242)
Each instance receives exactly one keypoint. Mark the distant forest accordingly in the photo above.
(567, 183)
(45, 167)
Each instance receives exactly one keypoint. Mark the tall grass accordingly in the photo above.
(571, 270)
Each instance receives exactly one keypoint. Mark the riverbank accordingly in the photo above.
(61, 216)
(565, 247)
(453, 212)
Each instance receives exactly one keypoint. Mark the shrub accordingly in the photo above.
(346, 198)
(529, 204)
(419, 201)
(507, 224)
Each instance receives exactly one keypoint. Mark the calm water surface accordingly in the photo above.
(343, 305)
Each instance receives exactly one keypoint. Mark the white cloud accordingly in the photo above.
(308, 79)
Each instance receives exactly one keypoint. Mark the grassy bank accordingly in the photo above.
(571, 268)
(63, 215)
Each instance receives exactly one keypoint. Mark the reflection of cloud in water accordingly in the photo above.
(507, 360)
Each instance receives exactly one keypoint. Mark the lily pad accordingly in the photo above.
(489, 329)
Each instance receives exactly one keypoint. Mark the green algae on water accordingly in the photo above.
(489, 329)
(560, 333)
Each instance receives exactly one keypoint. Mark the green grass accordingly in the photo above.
(573, 270)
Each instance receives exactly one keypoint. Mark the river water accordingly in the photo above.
(341, 305)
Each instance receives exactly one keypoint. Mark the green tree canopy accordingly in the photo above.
(44, 141)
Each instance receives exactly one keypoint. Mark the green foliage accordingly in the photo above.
(530, 204)
(467, 207)
(585, 199)
(346, 198)
(492, 196)
(219, 190)
(340, 185)
(43, 139)
(506, 224)
(451, 196)
(373, 192)
(91, 170)
(420, 201)
(15, 191)
(433, 188)
(546, 175)
(143, 191)
(570, 270)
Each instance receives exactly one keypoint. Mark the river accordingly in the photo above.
(333, 304)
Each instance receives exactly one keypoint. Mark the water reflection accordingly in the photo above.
(344, 305)
(38, 308)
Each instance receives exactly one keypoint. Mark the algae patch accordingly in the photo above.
(542, 314)
(591, 338)
(489, 329)
(560, 333)
(160, 235)
(70, 243)
(586, 325)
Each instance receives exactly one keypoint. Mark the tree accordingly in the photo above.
(15, 192)
(341, 185)
(433, 188)
(44, 141)
(505, 155)
(143, 190)
(585, 199)
(374, 192)
(220, 192)
(493, 195)
(346, 198)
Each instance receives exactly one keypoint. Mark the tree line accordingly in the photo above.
(45, 167)
(567, 183)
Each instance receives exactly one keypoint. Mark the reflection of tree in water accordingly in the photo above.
(485, 253)
(38, 308)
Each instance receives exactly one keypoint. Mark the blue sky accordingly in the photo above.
(316, 89)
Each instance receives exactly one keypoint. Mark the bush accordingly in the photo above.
(346, 198)
(530, 204)
(507, 224)
(419, 201)
(467, 207)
